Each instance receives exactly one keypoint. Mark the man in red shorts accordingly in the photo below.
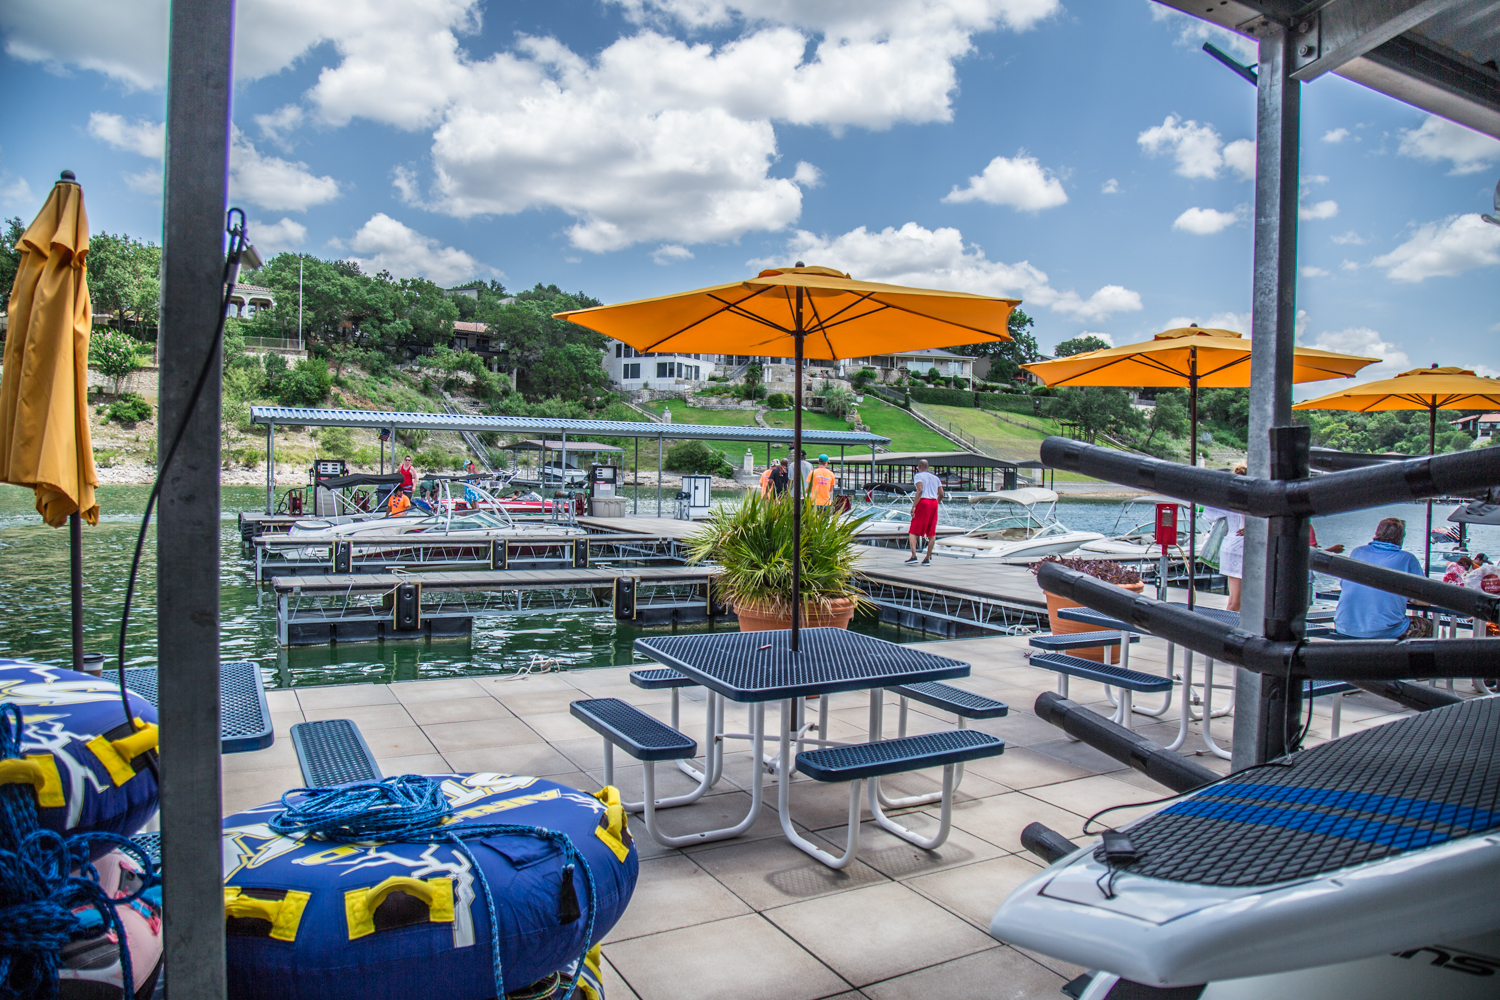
(924, 512)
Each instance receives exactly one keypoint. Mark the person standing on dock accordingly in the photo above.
(765, 480)
(781, 479)
(408, 475)
(924, 511)
(821, 483)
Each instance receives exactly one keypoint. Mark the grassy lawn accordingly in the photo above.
(1022, 443)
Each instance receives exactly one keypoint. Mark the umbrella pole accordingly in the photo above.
(1431, 450)
(797, 482)
(75, 532)
(1192, 566)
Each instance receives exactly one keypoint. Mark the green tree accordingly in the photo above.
(1098, 410)
(1170, 417)
(125, 280)
(1079, 345)
(10, 259)
(699, 458)
(1007, 356)
(571, 370)
(837, 400)
(114, 354)
(306, 384)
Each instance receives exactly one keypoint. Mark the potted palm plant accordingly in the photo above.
(1103, 569)
(753, 544)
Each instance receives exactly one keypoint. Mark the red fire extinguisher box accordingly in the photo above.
(1166, 524)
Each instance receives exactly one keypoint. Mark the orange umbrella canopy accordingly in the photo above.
(837, 316)
(1419, 389)
(44, 425)
(1217, 359)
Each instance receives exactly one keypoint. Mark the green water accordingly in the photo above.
(35, 624)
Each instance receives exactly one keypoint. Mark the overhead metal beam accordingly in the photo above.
(1437, 80)
(1347, 29)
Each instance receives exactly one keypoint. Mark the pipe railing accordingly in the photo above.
(1444, 596)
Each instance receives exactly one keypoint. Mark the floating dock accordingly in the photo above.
(952, 597)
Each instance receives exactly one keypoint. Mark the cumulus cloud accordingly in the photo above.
(871, 17)
(1439, 139)
(1348, 265)
(1314, 272)
(272, 238)
(1225, 320)
(145, 181)
(806, 175)
(1111, 186)
(279, 124)
(1349, 238)
(1196, 148)
(141, 137)
(1204, 221)
(1440, 249)
(1319, 210)
(1022, 183)
(1336, 135)
(1239, 156)
(671, 253)
(15, 193)
(397, 248)
(274, 183)
(938, 258)
(1365, 342)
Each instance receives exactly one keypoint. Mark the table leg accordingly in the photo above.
(1166, 702)
(757, 791)
(1187, 697)
(945, 821)
(713, 744)
(1208, 711)
(784, 796)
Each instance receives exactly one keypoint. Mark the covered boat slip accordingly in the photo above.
(554, 430)
(962, 472)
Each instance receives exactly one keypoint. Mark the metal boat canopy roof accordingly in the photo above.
(937, 459)
(308, 417)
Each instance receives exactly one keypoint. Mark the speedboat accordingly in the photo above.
(1133, 536)
(1018, 535)
(463, 526)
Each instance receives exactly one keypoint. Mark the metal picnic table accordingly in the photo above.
(759, 667)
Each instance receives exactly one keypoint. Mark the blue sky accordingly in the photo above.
(1087, 158)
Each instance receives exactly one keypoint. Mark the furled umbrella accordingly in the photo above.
(801, 312)
(1190, 357)
(1429, 389)
(44, 424)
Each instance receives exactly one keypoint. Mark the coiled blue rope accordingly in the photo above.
(38, 893)
(411, 809)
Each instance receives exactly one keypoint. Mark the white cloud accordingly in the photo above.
(1193, 32)
(1204, 221)
(146, 181)
(141, 137)
(279, 124)
(274, 183)
(401, 250)
(1346, 239)
(15, 194)
(806, 175)
(1314, 272)
(1348, 265)
(1439, 139)
(671, 253)
(1485, 371)
(404, 180)
(867, 17)
(1022, 183)
(1237, 322)
(1440, 249)
(1336, 135)
(1102, 336)
(1239, 156)
(272, 238)
(1363, 341)
(1321, 210)
(1195, 147)
(1111, 186)
(938, 258)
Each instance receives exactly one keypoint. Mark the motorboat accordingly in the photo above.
(465, 527)
(1133, 537)
(1019, 534)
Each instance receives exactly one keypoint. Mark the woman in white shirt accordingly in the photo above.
(1232, 550)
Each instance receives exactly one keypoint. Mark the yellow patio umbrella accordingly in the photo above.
(804, 312)
(44, 424)
(1429, 389)
(1190, 356)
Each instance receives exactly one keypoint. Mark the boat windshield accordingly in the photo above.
(1014, 527)
(477, 519)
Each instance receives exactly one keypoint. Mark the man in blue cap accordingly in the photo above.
(820, 484)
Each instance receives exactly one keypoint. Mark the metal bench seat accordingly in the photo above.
(660, 677)
(1121, 676)
(632, 730)
(1063, 641)
(865, 763)
(964, 704)
(332, 752)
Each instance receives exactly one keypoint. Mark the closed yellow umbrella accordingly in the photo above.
(1429, 389)
(1190, 357)
(804, 312)
(44, 425)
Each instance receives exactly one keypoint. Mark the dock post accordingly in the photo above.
(660, 443)
(580, 553)
(1267, 708)
(271, 468)
(196, 177)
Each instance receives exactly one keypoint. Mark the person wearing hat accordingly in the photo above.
(820, 484)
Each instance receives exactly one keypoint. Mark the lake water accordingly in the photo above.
(35, 623)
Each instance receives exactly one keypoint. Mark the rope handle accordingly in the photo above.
(284, 915)
(360, 904)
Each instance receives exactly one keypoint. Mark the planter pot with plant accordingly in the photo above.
(753, 545)
(1102, 569)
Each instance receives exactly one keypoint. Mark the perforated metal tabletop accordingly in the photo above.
(244, 718)
(1399, 787)
(760, 666)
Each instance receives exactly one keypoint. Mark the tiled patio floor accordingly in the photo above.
(754, 917)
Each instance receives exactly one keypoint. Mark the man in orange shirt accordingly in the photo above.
(821, 483)
(765, 481)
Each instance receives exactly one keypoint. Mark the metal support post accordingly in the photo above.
(659, 445)
(1266, 710)
(636, 493)
(75, 551)
(270, 468)
(199, 75)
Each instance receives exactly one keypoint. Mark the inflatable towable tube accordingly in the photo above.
(87, 763)
(310, 919)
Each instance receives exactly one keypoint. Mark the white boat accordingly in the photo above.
(1018, 535)
(467, 527)
(1133, 538)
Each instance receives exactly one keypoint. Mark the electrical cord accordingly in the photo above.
(237, 243)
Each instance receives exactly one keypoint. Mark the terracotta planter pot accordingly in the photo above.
(1061, 626)
(757, 619)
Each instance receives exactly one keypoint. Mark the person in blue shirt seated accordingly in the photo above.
(1367, 613)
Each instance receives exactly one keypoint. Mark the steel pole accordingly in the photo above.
(1192, 563)
(199, 80)
(75, 551)
(270, 468)
(1431, 450)
(659, 445)
(797, 481)
(636, 493)
(1267, 708)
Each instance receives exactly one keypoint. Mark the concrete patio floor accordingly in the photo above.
(754, 917)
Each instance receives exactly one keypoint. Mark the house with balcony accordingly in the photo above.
(632, 369)
(892, 366)
(247, 300)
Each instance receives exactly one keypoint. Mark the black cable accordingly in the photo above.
(1285, 761)
(231, 267)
